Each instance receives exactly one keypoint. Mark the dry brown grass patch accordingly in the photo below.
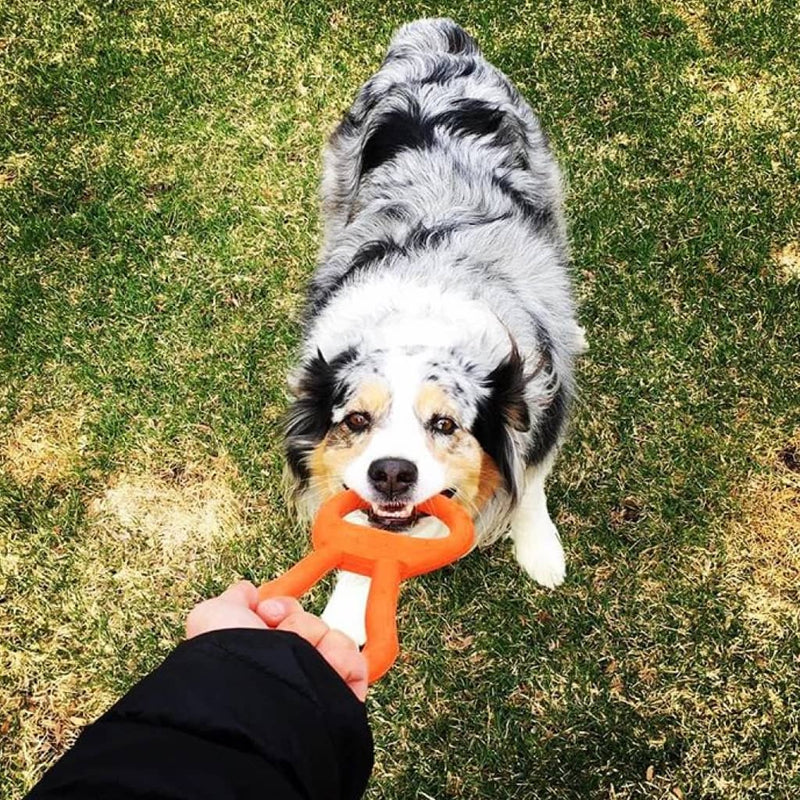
(178, 509)
(693, 15)
(739, 104)
(46, 447)
(763, 547)
(787, 258)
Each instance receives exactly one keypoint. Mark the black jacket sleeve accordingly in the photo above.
(230, 714)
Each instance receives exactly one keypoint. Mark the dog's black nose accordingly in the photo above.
(392, 476)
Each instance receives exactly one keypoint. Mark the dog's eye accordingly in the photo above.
(443, 425)
(357, 421)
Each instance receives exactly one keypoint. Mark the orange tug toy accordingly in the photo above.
(386, 558)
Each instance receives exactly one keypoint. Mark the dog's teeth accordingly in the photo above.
(394, 512)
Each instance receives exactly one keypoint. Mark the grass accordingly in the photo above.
(158, 170)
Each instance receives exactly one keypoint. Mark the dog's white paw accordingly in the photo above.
(540, 554)
(346, 609)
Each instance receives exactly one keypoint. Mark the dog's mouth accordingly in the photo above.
(397, 516)
(392, 516)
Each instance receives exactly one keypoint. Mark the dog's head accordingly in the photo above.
(399, 426)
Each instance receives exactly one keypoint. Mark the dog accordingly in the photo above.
(440, 329)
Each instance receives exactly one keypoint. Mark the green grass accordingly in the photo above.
(158, 173)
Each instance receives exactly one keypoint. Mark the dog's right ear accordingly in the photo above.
(317, 387)
(502, 411)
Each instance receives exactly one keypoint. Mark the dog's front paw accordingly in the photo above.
(540, 554)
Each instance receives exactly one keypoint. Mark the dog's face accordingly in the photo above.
(397, 443)
(400, 427)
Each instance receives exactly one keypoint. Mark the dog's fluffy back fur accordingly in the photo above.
(444, 233)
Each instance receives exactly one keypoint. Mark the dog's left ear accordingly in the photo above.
(503, 410)
(317, 387)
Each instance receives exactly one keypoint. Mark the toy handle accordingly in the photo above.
(382, 646)
(302, 576)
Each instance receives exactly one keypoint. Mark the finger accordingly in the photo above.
(356, 674)
(335, 641)
(343, 655)
(216, 614)
(311, 628)
(242, 593)
(335, 647)
(275, 609)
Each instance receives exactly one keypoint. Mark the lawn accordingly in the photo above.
(158, 173)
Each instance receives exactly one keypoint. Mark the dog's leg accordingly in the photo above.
(347, 606)
(537, 544)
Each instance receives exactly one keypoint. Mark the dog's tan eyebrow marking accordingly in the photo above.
(432, 399)
(373, 397)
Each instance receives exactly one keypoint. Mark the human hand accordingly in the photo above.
(239, 607)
